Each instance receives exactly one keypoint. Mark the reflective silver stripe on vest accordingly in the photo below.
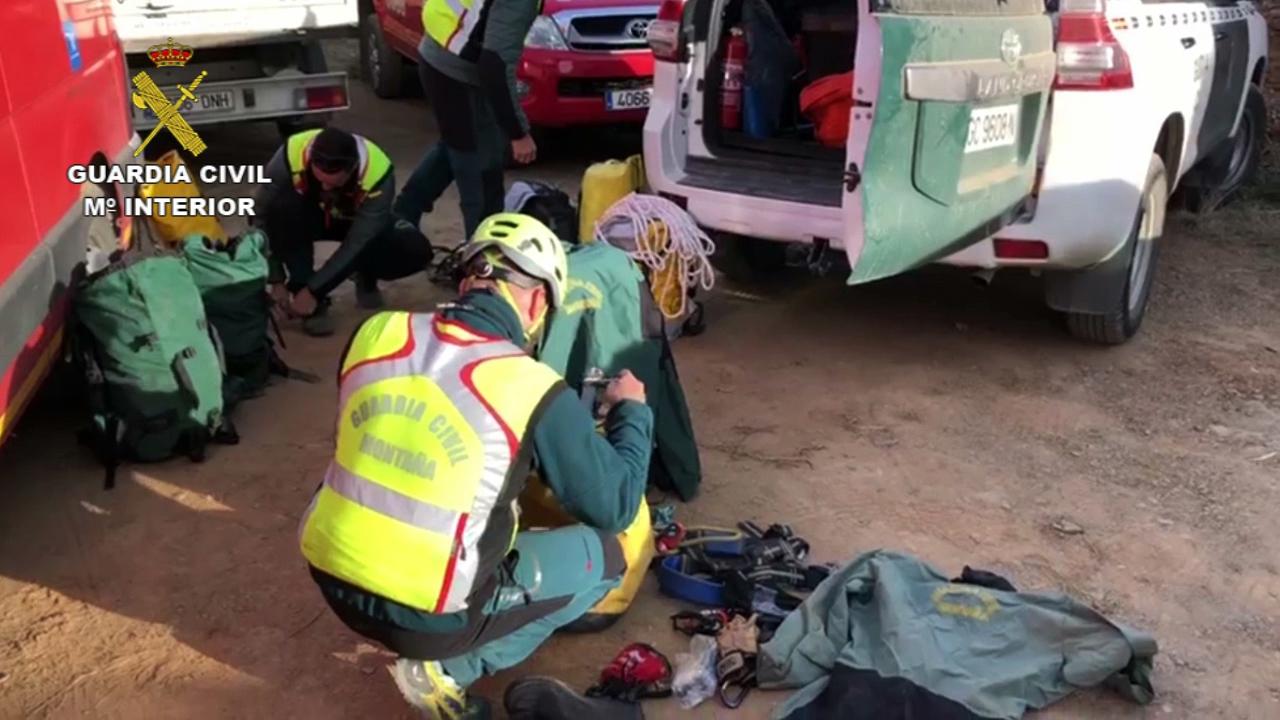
(362, 162)
(457, 7)
(443, 363)
(468, 20)
(383, 499)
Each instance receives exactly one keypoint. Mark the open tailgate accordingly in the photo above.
(949, 104)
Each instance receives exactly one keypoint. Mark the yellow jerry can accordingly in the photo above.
(603, 184)
(539, 508)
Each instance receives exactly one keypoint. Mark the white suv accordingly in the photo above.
(985, 134)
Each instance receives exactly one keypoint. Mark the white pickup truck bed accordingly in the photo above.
(260, 56)
(212, 23)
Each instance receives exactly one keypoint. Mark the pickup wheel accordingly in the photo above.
(1234, 164)
(382, 67)
(300, 123)
(1122, 321)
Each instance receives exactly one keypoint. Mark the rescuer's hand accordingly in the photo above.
(524, 149)
(624, 387)
(303, 304)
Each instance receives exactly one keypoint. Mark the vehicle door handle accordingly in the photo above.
(1220, 36)
(1188, 42)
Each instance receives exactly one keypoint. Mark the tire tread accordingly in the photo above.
(1117, 327)
(1101, 329)
(391, 82)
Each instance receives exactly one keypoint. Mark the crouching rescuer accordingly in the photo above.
(333, 185)
(412, 537)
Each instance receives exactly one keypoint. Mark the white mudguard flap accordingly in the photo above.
(208, 23)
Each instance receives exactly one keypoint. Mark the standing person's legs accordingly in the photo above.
(477, 163)
(434, 174)
(492, 144)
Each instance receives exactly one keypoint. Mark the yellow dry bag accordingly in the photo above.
(540, 508)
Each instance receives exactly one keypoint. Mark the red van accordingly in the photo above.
(585, 62)
(63, 101)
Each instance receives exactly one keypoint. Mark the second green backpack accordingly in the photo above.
(232, 279)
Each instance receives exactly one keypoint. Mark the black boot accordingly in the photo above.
(368, 296)
(320, 323)
(543, 698)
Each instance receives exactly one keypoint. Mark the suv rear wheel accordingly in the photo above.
(382, 67)
(1234, 164)
(1121, 322)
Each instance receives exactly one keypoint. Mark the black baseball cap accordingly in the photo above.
(334, 150)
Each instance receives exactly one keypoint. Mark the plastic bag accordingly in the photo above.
(547, 203)
(695, 677)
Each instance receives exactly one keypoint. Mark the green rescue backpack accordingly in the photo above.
(154, 369)
(609, 321)
(232, 279)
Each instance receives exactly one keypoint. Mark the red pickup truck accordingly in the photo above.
(586, 62)
(64, 100)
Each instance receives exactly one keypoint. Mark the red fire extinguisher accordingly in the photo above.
(735, 61)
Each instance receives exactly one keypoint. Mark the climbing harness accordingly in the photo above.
(762, 571)
(738, 643)
(675, 537)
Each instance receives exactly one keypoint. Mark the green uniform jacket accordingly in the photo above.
(599, 480)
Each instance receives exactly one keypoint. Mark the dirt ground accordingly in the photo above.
(922, 414)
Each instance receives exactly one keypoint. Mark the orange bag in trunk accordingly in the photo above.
(827, 102)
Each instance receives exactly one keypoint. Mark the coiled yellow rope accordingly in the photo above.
(664, 238)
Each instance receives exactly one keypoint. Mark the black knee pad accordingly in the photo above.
(615, 563)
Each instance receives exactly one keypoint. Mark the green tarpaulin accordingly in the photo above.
(888, 636)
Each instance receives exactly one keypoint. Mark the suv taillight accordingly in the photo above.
(666, 36)
(1089, 57)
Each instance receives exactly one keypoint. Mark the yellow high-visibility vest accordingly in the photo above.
(419, 504)
(458, 25)
(373, 164)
